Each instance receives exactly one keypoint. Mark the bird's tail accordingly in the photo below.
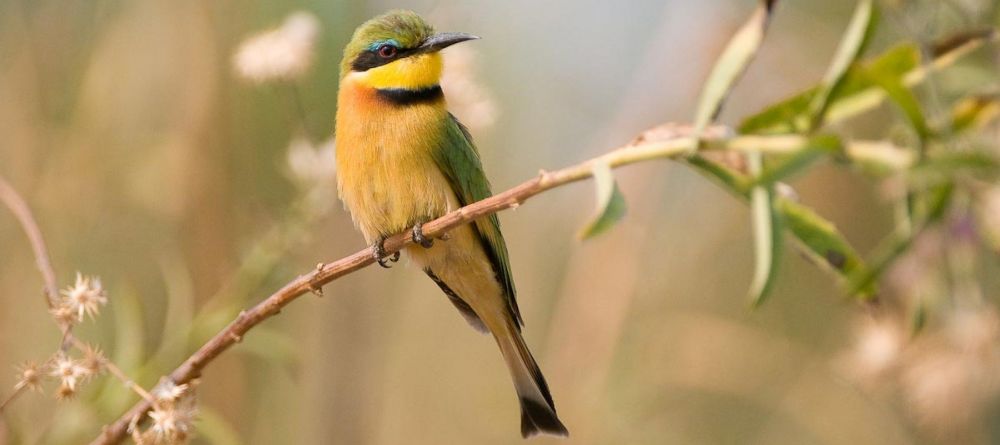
(538, 412)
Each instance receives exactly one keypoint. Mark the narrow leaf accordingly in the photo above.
(730, 179)
(943, 167)
(856, 96)
(767, 235)
(817, 237)
(975, 112)
(610, 202)
(881, 157)
(905, 100)
(858, 33)
(790, 115)
(731, 64)
(823, 242)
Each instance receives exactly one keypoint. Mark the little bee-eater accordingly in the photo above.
(403, 160)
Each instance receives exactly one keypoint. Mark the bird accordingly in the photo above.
(403, 159)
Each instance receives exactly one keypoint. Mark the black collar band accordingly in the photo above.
(402, 96)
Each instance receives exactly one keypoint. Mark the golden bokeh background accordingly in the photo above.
(151, 163)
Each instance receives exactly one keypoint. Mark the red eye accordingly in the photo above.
(387, 51)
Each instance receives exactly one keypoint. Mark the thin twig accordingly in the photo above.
(22, 212)
(18, 390)
(114, 370)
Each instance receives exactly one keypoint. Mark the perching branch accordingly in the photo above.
(655, 144)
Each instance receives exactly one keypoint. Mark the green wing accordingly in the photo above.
(458, 159)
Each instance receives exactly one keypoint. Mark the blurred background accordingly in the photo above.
(158, 158)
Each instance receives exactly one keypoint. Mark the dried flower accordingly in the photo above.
(171, 425)
(63, 314)
(29, 375)
(467, 97)
(283, 53)
(86, 296)
(168, 392)
(70, 373)
(93, 359)
(172, 415)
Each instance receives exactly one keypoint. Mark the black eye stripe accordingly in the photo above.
(371, 59)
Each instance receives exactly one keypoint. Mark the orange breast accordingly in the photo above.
(386, 174)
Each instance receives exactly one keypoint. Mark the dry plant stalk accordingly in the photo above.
(173, 409)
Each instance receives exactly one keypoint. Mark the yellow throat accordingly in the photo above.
(410, 73)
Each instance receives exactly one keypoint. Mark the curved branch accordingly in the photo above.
(654, 144)
(22, 212)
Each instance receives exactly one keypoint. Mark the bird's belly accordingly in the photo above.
(391, 195)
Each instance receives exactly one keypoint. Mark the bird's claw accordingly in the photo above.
(419, 238)
(383, 259)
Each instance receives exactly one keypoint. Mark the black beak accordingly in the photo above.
(442, 40)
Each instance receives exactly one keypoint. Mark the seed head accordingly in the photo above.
(86, 296)
(170, 425)
(29, 375)
(168, 392)
(93, 359)
(70, 373)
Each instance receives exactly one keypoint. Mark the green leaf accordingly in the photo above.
(858, 33)
(881, 157)
(610, 202)
(857, 95)
(823, 243)
(944, 166)
(767, 235)
(790, 115)
(732, 64)
(975, 112)
(818, 238)
(903, 98)
(730, 179)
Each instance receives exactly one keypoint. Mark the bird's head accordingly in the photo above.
(397, 50)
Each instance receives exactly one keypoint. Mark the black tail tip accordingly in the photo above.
(537, 418)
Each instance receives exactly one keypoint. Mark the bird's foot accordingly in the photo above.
(419, 238)
(383, 259)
